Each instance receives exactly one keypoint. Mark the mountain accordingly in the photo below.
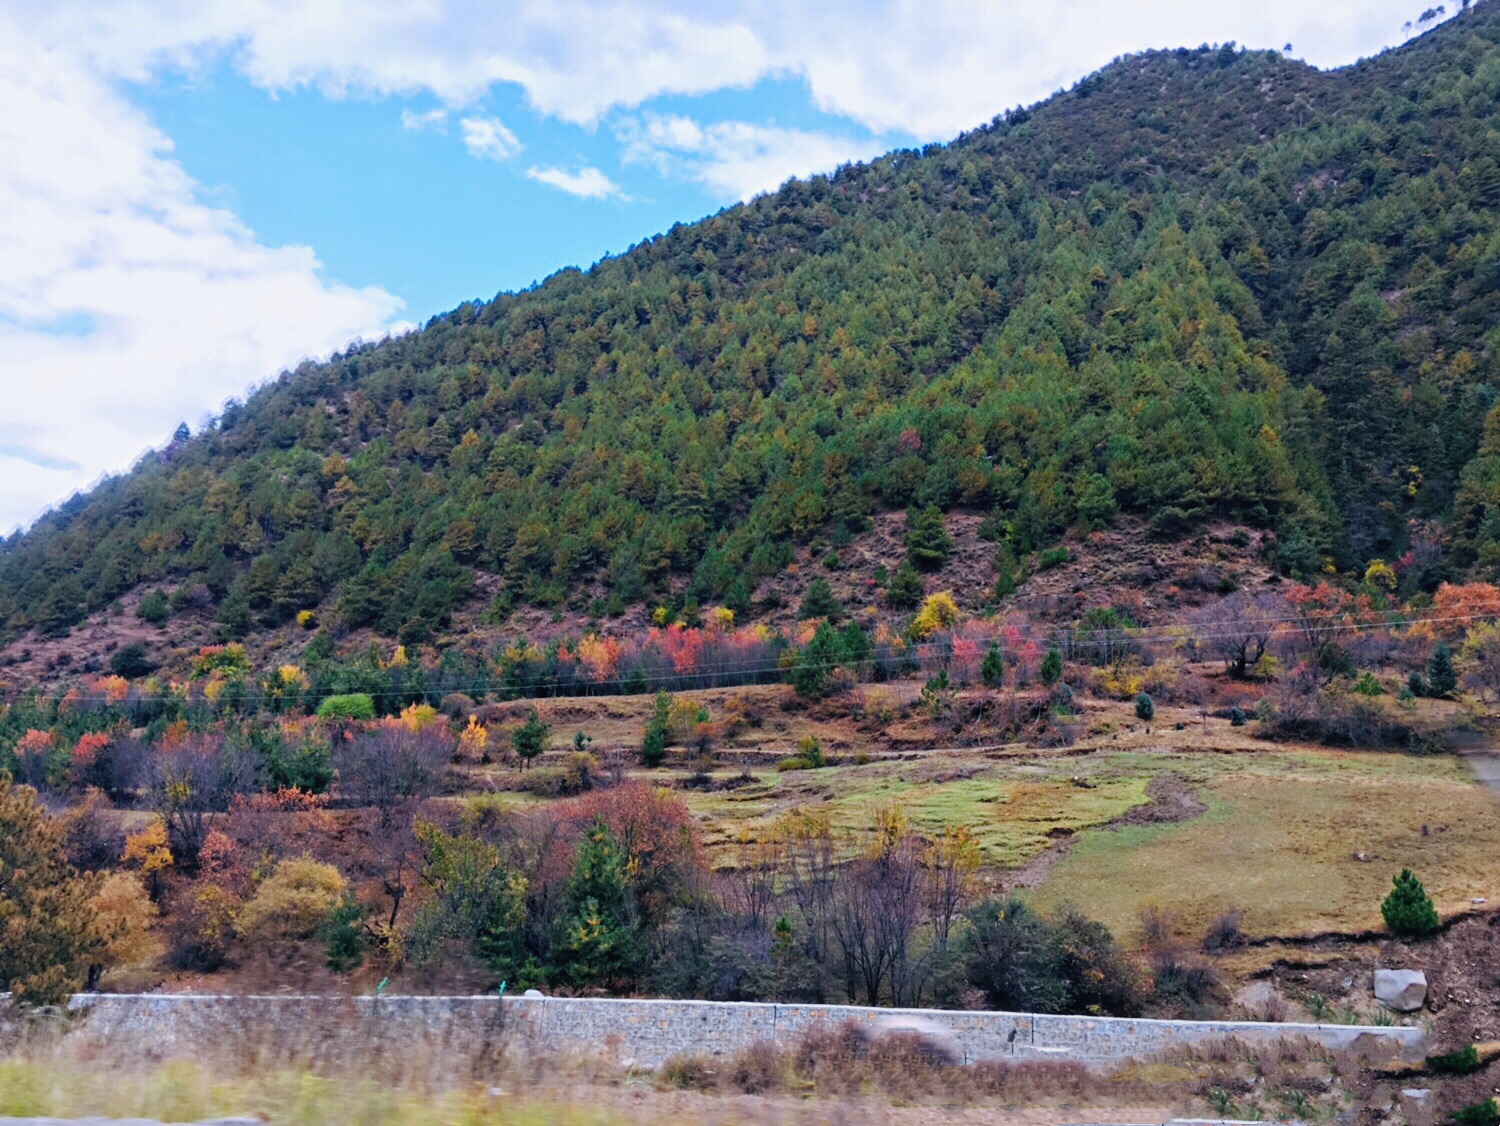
(1207, 284)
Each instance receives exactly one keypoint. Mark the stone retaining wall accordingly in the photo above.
(647, 1032)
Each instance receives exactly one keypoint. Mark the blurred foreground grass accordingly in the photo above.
(186, 1091)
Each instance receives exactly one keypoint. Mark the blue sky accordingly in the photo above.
(198, 194)
(409, 208)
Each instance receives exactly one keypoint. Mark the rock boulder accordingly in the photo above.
(1402, 990)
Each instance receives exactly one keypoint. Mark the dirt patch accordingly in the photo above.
(1462, 965)
(1173, 799)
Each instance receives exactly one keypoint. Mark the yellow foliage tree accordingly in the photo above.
(149, 851)
(292, 901)
(418, 716)
(124, 916)
(939, 611)
(1380, 575)
(473, 739)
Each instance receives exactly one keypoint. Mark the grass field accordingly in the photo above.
(1010, 807)
(1300, 839)
(1299, 842)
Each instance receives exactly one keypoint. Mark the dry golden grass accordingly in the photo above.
(1300, 842)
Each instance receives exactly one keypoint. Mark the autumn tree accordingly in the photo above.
(474, 901)
(291, 902)
(147, 850)
(392, 766)
(50, 934)
(950, 862)
(1237, 629)
(126, 920)
(192, 782)
(876, 910)
(1481, 657)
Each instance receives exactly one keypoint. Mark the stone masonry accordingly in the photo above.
(645, 1033)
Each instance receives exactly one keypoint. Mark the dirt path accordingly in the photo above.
(1172, 800)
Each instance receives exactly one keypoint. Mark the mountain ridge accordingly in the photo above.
(1200, 285)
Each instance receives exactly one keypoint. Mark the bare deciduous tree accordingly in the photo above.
(1237, 629)
(877, 907)
(392, 765)
(950, 862)
(192, 782)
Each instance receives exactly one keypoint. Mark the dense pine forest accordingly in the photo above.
(1203, 284)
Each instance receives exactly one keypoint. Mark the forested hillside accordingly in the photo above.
(1202, 284)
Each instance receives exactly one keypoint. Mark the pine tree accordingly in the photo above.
(1145, 708)
(1408, 909)
(654, 741)
(813, 665)
(599, 941)
(1052, 666)
(531, 739)
(905, 588)
(1442, 679)
(343, 935)
(1006, 572)
(992, 670)
(819, 602)
(928, 544)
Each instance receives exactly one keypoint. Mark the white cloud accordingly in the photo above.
(737, 159)
(417, 122)
(589, 183)
(926, 67)
(488, 138)
(126, 304)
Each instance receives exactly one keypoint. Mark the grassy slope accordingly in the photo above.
(1300, 841)
(1299, 838)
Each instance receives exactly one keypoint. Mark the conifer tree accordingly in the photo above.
(1006, 572)
(928, 544)
(992, 670)
(1442, 678)
(905, 588)
(599, 941)
(531, 739)
(1408, 909)
(819, 602)
(1052, 666)
(654, 741)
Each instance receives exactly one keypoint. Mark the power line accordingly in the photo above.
(742, 672)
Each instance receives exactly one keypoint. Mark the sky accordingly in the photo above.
(198, 194)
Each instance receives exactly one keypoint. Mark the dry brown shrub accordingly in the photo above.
(760, 1068)
(689, 1073)
(1027, 1082)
